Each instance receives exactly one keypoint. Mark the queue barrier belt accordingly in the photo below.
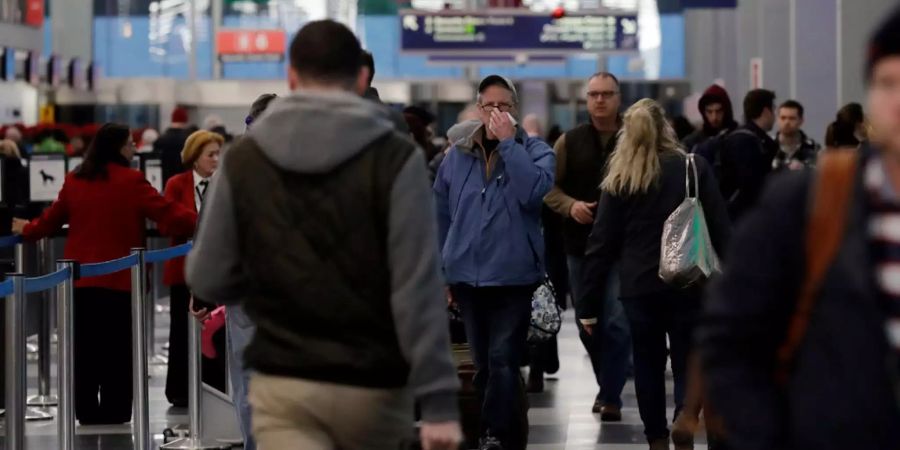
(9, 241)
(108, 267)
(158, 256)
(6, 288)
(47, 282)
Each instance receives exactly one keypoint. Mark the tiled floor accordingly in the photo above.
(560, 417)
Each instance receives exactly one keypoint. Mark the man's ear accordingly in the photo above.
(362, 81)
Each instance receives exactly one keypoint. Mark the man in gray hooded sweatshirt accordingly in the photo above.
(314, 223)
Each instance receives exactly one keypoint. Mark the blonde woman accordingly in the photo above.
(645, 183)
(200, 157)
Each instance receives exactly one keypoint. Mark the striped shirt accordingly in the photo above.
(884, 231)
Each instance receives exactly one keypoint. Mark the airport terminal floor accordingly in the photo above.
(560, 417)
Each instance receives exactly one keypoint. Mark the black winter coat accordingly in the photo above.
(840, 394)
(628, 229)
(746, 162)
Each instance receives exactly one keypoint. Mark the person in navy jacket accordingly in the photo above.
(489, 193)
(106, 204)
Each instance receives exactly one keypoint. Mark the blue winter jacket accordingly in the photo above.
(489, 221)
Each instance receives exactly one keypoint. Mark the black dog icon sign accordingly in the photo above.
(47, 178)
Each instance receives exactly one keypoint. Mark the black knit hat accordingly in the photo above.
(884, 42)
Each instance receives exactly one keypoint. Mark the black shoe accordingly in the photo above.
(598, 405)
(552, 358)
(490, 443)
(535, 382)
(610, 413)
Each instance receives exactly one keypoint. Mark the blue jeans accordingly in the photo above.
(497, 320)
(652, 317)
(240, 332)
(611, 364)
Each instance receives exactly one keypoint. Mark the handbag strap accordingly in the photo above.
(691, 168)
(824, 233)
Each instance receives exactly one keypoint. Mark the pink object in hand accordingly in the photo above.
(215, 322)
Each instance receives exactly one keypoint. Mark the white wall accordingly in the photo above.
(828, 51)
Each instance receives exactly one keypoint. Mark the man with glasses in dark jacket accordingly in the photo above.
(581, 156)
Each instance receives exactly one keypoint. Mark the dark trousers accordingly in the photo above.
(652, 317)
(609, 351)
(214, 370)
(497, 320)
(102, 357)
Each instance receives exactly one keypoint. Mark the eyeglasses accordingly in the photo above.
(502, 107)
(605, 95)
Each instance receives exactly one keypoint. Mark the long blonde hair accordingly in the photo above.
(635, 166)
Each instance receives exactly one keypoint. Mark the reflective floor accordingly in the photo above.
(560, 418)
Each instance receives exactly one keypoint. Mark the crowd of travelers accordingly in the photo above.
(332, 238)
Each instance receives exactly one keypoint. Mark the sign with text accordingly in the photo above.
(251, 45)
(479, 32)
(709, 3)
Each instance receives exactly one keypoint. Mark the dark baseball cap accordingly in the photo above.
(498, 80)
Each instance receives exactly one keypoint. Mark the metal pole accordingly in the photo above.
(195, 396)
(65, 304)
(839, 56)
(15, 365)
(192, 26)
(30, 413)
(44, 399)
(792, 47)
(141, 428)
(217, 12)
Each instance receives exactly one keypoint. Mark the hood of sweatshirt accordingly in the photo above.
(314, 132)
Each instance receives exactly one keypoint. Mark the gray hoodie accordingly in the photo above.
(313, 133)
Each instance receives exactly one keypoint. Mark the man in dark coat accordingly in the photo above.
(841, 383)
(747, 154)
(171, 143)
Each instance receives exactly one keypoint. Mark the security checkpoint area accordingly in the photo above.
(449, 224)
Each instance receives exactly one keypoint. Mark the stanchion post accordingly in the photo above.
(44, 398)
(20, 257)
(141, 429)
(195, 396)
(15, 364)
(65, 304)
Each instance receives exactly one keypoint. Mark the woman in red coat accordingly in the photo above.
(201, 157)
(106, 205)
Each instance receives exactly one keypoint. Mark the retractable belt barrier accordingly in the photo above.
(15, 289)
(9, 241)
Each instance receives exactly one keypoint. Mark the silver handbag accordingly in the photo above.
(687, 256)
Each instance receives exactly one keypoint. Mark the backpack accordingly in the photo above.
(829, 208)
(712, 150)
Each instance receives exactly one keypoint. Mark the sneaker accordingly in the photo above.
(598, 405)
(490, 443)
(610, 413)
(660, 444)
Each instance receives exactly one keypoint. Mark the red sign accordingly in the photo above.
(251, 43)
(34, 13)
